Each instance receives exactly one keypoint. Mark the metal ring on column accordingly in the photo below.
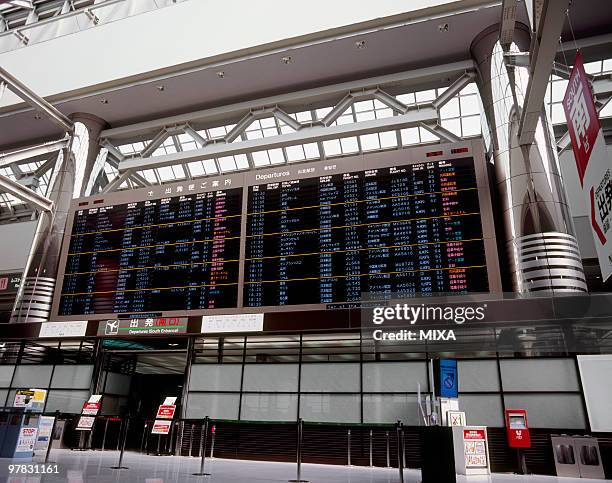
(550, 262)
(37, 300)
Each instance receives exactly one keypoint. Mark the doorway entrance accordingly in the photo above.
(137, 377)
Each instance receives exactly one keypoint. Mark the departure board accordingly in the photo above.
(407, 229)
(152, 256)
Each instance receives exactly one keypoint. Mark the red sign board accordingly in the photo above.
(165, 412)
(91, 408)
(583, 122)
(592, 160)
(161, 427)
(517, 428)
(474, 434)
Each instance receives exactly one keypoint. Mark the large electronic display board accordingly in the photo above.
(405, 229)
(175, 253)
(295, 237)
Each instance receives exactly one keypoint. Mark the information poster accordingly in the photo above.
(27, 440)
(85, 423)
(161, 426)
(475, 448)
(45, 427)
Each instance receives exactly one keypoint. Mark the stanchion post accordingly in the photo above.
(191, 439)
(300, 429)
(104, 436)
(388, 453)
(371, 460)
(203, 442)
(403, 446)
(123, 440)
(55, 418)
(349, 447)
(400, 462)
(169, 440)
(212, 443)
(144, 435)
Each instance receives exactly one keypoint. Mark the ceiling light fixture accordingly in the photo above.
(287, 60)
(104, 100)
(443, 27)
(161, 88)
(37, 116)
(360, 44)
(221, 74)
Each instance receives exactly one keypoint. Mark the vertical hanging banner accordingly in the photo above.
(592, 160)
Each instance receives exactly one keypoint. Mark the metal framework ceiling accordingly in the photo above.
(384, 112)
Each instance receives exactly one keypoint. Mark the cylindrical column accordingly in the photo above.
(542, 249)
(73, 166)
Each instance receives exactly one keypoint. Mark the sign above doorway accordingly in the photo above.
(143, 327)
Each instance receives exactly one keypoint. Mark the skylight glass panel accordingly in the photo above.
(349, 145)
(406, 99)
(324, 111)
(332, 147)
(210, 166)
(196, 168)
(426, 136)
(149, 175)
(276, 156)
(453, 125)
(165, 173)
(388, 139)
(242, 161)
(187, 142)
(227, 163)
(424, 96)
(219, 131)
(450, 109)
(260, 158)
(295, 153)
(469, 105)
(369, 142)
(303, 116)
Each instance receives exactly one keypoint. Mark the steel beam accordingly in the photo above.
(426, 114)
(136, 178)
(20, 3)
(282, 116)
(508, 20)
(454, 89)
(544, 50)
(19, 155)
(21, 192)
(441, 132)
(36, 101)
(291, 102)
(117, 182)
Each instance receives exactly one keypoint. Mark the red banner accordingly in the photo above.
(581, 114)
(165, 412)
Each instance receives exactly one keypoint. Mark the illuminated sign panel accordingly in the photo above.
(297, 237)
(406, 229)
(176, 253)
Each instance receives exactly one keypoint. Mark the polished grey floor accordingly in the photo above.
(94, 466)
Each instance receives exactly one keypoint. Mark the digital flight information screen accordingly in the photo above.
(406, 229)
(301, 236)
(175, 253)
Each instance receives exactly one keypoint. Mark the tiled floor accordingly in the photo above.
(94, 466)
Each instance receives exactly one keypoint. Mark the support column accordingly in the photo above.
(539, 235)
(68, 180)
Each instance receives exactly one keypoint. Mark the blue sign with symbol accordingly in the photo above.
(449, 379)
